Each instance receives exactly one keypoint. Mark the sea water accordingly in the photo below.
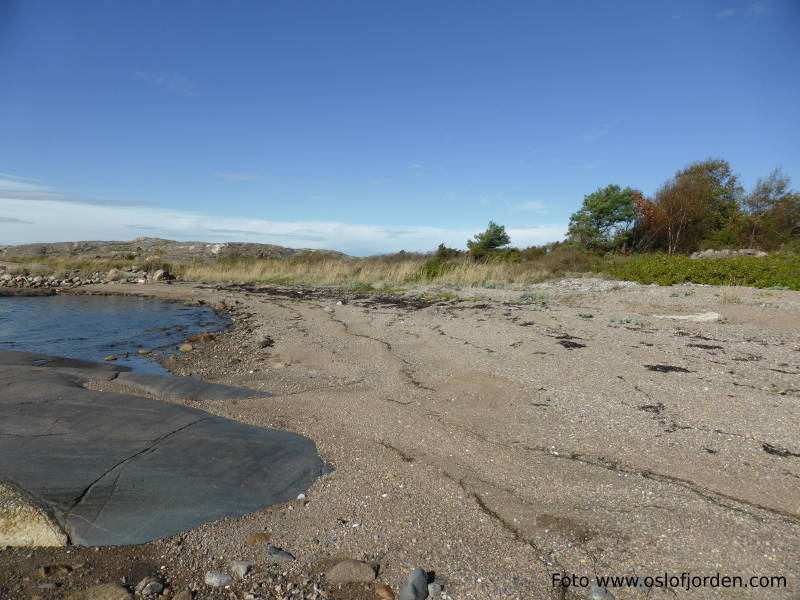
(94, 327)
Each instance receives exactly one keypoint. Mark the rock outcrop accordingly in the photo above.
(116, 469)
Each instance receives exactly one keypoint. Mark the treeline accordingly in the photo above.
(702, 206)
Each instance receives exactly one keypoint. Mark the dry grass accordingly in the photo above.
(392, 271)
(363, 272)
(729, 298)
(323, 272)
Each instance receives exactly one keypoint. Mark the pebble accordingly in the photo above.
(598, 592)
(217, 579)
(384, 591)
(350, 571)
(416, 587)
(241, 567)
(149, 586)
(47, 585)
(110, 358)
(259, 537)
(185, 347)
(277, 555)
(328, 309)
(183, 595)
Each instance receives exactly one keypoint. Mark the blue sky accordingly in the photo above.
(375, 126)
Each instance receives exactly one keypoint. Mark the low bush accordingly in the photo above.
(768, 271)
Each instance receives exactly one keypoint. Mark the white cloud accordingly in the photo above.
(20, 189)
(536, 206)
(172, 81)
(726, 14)
(68, 221)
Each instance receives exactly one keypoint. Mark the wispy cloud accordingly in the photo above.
(536, 206)
(759, 9)
(239, 176)
(595, 135)
(17, 177)
(725, 14)
(174, 82)
(56, 221)
(13, 220)
(589, 166)
(19, 188)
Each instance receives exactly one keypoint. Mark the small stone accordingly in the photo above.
(106, 591)
(48, 585)
(416, 587)
(149, 586)
(384, 591)
(217, 579)
(434, 589)
(328, 309)
(259, 537)
(186, 348)
(598, 592)
(349, 571)
(201, 337)
(241, 567)
(183, 595)
(144, 352)
(266, 342)
(277, 555)
(110, 358)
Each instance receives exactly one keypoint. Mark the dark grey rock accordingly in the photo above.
(278, 555)
(416, 587)
(118, 469)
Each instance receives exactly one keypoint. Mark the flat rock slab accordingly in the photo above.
(169, 387)
(119, 469)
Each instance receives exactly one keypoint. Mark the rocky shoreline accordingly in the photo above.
(75, 279)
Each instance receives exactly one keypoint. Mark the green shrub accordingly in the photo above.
(435, 268)
(768, 271)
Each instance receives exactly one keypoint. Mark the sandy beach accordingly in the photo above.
(497, 438)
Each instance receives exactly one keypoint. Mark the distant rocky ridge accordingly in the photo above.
(145, 247)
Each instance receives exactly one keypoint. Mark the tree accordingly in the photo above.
(767, 207)
(484, 243)
(605, 218)
(700, 204)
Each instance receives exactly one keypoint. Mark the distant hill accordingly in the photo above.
(144, 247)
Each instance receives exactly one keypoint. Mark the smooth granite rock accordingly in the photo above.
(119, 469)
(169, 387)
